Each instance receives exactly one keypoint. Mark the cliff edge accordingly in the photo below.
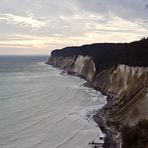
(120, 71)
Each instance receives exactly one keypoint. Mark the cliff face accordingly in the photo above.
(81, 65)
(127, 86)
(128, 89)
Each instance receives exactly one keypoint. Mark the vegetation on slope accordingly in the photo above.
(135, 136)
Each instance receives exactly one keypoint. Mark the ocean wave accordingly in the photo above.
(42, 107)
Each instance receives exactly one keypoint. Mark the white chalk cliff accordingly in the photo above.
(126, 85)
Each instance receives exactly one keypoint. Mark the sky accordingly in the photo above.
(39, 26)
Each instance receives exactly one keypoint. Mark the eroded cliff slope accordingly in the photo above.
(81, 65)
(128, 91)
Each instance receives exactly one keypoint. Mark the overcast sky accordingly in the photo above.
(39, 26)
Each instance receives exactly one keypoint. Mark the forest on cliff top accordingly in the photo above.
(106, 55)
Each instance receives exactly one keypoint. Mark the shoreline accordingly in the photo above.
(111, 134)
(112, 138)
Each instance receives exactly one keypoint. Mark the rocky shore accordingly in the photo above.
(113, 137)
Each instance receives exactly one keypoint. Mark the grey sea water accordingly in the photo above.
(42, 108)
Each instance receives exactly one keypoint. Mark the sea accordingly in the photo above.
(43, 107)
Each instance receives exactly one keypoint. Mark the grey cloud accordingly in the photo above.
(66, 19)
(128, 9)
(42, 8)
